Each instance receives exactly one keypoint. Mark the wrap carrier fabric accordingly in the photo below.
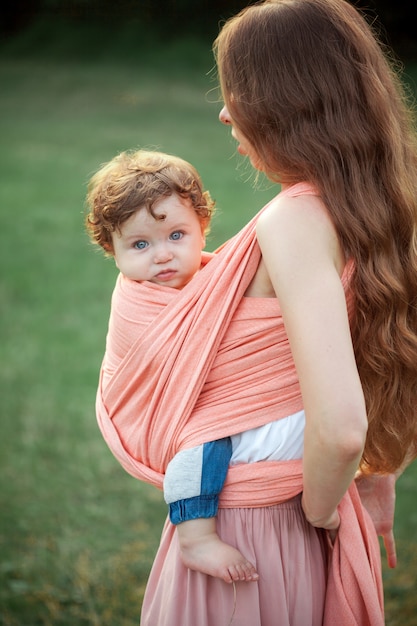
(173, 378)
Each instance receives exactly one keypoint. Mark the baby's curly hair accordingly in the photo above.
(137, 179)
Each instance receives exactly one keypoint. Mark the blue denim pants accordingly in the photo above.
(194, 480)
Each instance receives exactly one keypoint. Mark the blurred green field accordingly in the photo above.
(77, 534)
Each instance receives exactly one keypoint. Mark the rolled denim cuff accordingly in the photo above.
(193, 508)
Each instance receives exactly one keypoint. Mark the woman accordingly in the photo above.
(316, 302)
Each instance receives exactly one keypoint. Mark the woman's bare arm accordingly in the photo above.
(304, 261)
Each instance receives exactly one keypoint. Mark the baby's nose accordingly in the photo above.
(163, 254)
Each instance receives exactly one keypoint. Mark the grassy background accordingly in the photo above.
(77, 534)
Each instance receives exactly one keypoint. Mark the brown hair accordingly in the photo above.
(139, 179)
(317, 96)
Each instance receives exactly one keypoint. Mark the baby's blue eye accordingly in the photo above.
(177, 234)
(140, 245)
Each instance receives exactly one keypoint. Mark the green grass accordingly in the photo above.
(77, 534)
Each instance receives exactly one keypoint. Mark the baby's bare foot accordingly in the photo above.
(210, 555)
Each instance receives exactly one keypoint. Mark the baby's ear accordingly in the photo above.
(108, 249)
(204, 231)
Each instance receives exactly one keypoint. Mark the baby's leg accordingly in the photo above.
(193, 481)
(203, 550)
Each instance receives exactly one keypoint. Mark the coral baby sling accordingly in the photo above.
(150, 389)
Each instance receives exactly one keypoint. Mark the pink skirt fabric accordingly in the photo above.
(290, 557)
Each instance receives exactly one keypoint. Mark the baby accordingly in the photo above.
(149, 212)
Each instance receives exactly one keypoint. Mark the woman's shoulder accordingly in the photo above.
(298, 206)
(293, 198)
(298, 220)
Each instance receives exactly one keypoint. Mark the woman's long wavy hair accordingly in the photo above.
(320, 99)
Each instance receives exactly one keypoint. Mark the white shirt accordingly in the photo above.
(282, 440)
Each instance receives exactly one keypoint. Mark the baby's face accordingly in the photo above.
(165, 252)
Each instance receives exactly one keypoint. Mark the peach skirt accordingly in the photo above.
(290, 557)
